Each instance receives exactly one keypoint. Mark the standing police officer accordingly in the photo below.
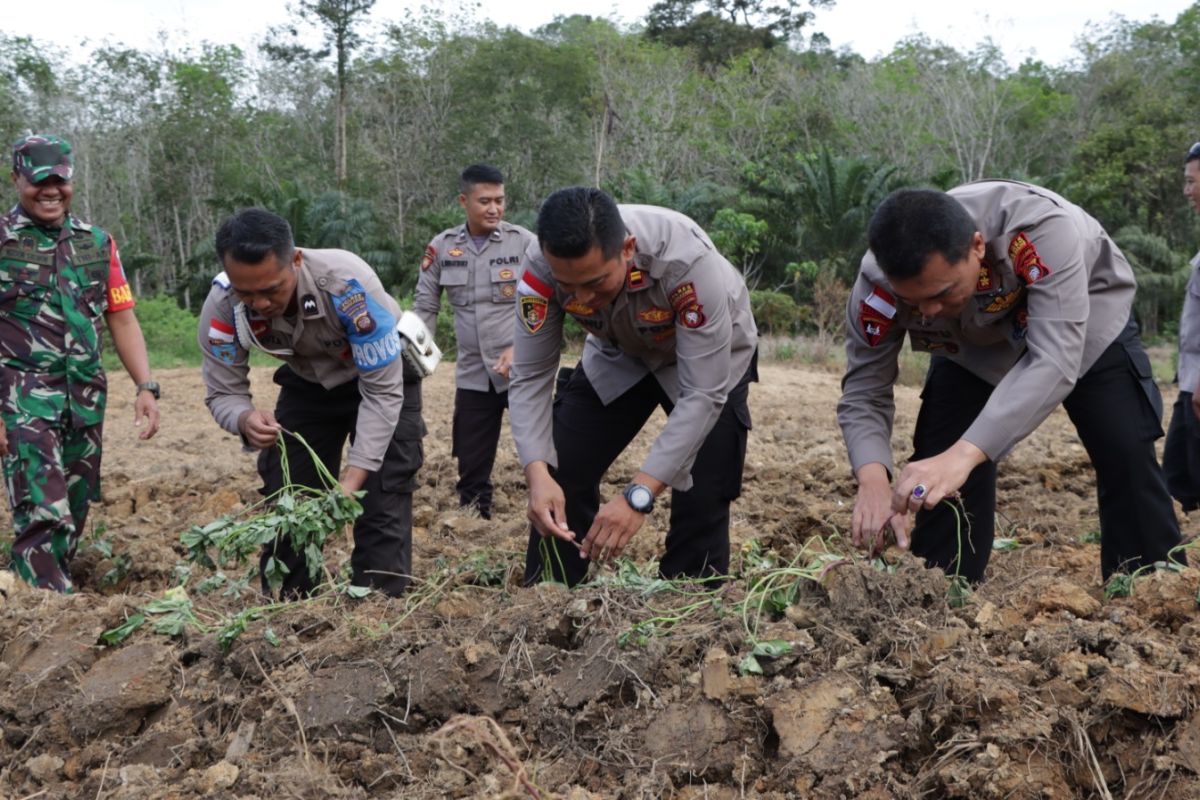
(59, 278)
(1181, 455)
(669, 324)
(327, 316)
(1024, 303)
(478, 264)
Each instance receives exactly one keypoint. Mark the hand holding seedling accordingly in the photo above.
(259, 428)
(928, 481)
(873, 513)
(547, 503)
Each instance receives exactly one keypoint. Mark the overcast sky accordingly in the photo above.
(1044, 29)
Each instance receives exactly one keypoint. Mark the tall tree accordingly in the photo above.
(338, 21)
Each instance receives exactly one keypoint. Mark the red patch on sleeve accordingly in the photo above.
(1025, 260)
(686, 303)
(428, 259)
(874, 324)
(120, 296)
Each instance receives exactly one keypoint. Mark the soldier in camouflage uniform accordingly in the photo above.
(59, 278)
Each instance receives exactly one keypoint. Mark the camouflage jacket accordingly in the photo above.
(56, 284)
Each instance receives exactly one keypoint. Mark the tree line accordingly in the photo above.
(779, 145)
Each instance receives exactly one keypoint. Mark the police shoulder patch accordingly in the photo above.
(429, 257)
(1025, 259)
(533, 309)
(369, 326)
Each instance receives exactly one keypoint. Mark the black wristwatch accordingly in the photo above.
(639, 497)
(151, 387)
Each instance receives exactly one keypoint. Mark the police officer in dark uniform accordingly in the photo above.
(478, 265)
(327, 316)
(1024, 302)
(669, 325)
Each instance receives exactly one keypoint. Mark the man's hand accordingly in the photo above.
(259, 428)
(614, 525)
(504, 362)
(145, 409)
(3, 439)
(873, 511)
(353, 479)
(547, 503)
(938, 477)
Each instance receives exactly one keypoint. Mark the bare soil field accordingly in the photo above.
(812, 673)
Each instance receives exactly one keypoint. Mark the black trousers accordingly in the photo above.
(382, 555)
(588, 436)
(1116, 409)
(1181, 454)
(474, 437)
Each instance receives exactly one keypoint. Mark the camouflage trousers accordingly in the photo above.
(52, 472)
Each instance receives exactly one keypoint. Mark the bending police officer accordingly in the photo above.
(1024, 303)
(326, 315)
(669, 325)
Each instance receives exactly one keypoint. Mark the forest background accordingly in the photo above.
(728, 110)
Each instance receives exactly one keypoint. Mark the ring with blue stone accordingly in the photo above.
(919, 491)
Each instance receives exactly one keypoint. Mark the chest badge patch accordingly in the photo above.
(454, 252)
(655, 314)
(506, 275)
(308, 304)
(578, 309)
(508, 290)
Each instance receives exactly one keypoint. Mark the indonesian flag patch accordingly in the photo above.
(534, 301)
(219, 332)
(1025, 260)
(876, 315)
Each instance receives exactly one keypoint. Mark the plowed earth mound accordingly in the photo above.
(869, 679)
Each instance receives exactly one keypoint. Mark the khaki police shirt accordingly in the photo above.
(683, 316)
(1189, 332)
(344, 328)
(481, 285)
(1053, 293)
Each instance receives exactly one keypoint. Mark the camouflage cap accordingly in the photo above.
(39, 157)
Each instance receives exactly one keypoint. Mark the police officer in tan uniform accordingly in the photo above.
(478, 265)
(669, 325)
(1024, 303)
(1181, 454)
(325, 314)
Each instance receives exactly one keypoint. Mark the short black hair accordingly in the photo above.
(575, 219)
(253, 233)
(911, 225)
(479, 173)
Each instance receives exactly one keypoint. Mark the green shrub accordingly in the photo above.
(775, 313)
(170, 333)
